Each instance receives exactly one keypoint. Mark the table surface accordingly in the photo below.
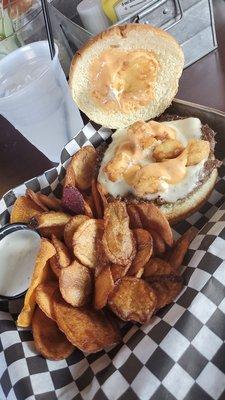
(202, 83)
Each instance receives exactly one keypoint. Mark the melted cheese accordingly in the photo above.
(172, 189)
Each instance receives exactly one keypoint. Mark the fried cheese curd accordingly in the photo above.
(150, 156)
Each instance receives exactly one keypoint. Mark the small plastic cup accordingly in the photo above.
(35, 98)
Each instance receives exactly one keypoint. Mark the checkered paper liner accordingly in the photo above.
(178, 355)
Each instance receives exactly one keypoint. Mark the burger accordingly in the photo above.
(125, 78)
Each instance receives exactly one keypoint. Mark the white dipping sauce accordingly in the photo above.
(18, 253)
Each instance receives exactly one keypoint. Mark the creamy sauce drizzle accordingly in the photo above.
(18, 252)
(123, 80)
(178, 181)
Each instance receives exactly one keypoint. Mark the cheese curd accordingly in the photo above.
(143, 175)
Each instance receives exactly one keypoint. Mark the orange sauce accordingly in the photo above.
(123, 80)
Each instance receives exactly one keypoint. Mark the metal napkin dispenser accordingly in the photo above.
(191, 22)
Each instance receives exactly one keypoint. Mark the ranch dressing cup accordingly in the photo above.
(35, 98)
(19, 247)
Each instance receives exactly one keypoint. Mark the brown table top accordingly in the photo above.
(202, 82)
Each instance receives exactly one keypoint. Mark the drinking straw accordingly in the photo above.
(48, 27)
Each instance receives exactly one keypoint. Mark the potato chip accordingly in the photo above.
(45, 202)
(173, 277)
(48, 339)
(133, 300)
(118, 271)
(88, 206)
(51, 202)
(54, 264)
(89, 330)
(144, 252)
(76, 284)
(35, 198)
(157, 266)
(153, 218)
(166, 292)
(23, 210)
(159, 246)
(104, 285)
(84, 164)
(71, 227)
(62, 253)
(44, 294)
(118, 240)
(72, 200)
(69, 180)
(102, 195)
(46, 251)
(49, 274)
(85, 241)
(49, 219)
(135, 220)
(57, 231)
(97, 199)
(180, 248)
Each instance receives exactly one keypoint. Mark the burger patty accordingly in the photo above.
(211, 164)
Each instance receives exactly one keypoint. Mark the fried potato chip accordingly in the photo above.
(69, 180)
(159, 246)
(44, 294)
(49, 219)
(71, 227)
(57, 231)
(72, 200)
(89, 330)
(153, 218)
(23, 210)
(104, 285)
(118, 240)
(51, 202)
(133, 300)
(54, 264)
(45, 202)
(48, 339)
(84, 164)
(88, 206)
(173, 277)
(166, 292)
(48, 274)
(144, 252)
(157, 266)
(36, 199)
(180, 248)
(85, 241)
(135, 220)
(97, 199)
(102, 259)
(118, 271)
(46, 251)
(62, 253)
(76, 284)
(102, 195)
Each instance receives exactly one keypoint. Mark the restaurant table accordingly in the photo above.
(203, 83)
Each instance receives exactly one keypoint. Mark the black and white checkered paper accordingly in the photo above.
(179, 355)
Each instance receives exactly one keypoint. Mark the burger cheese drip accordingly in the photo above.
(123, 80)
(154, 159)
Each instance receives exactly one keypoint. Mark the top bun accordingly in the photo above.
(144, 61)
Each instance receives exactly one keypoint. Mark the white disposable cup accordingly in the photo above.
(92, 16)
(40, 105)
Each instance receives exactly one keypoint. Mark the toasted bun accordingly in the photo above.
(184, 208)
(129, 37)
